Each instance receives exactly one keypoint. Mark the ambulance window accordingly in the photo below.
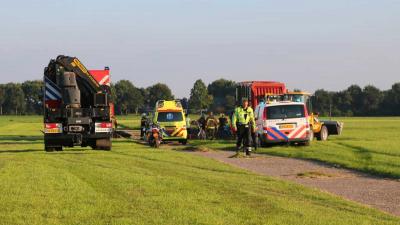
(169, 116)
(285, 112)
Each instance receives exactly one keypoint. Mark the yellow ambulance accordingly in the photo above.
(171, 118)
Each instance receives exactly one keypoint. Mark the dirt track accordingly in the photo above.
(377, 192)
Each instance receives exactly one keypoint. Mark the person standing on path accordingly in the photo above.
(243, 123)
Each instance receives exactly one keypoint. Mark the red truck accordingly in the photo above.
(255, 91)
(77, 106)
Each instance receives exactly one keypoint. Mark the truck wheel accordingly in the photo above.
(262, 143)
(48, 149)
(258, 141)
(184, 142)
(103, 144)
(58, 148)
(323, 134)
(157, 143)
(311, 138)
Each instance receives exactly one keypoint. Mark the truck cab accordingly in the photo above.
(171, 118)
(282, 122)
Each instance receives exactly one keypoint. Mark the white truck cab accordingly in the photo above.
(282, 122)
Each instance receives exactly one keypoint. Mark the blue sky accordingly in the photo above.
(307, 44)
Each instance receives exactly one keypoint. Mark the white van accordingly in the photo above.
(279, 122)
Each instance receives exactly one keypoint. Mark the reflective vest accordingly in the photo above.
(243, 117)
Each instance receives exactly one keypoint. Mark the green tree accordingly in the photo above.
(222, 91)
(2, 97)
(199, 97)
(391, 102)
(342, 103)
(33, 96)
(113, 93)
(128, 98)
(157, 92)
(146, 103)
(372, 99)
(322, 102)
(355, 92)
(15, 99)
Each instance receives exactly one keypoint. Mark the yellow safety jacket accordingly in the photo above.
(243, 117)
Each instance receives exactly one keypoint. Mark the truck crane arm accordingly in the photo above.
(72, 64)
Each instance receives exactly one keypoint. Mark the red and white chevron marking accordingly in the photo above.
(298, 132)
(105, 80)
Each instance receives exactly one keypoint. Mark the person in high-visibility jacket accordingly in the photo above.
(243, 124)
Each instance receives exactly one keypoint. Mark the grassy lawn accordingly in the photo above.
(367, 144)
(129, 122)
(134, 184)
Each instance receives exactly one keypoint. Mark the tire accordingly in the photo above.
(323, 134)
(311, 138)
(151, 143)
(184, 142)
(103, 144)
(262, 143)
(157, 143)
(59, 148)
(48, 149)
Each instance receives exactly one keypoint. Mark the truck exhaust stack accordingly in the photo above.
(70, 91)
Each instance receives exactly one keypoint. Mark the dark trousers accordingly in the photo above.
(243, 135)
(142, 132)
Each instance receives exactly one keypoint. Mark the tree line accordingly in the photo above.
(357, 101)
(218, 96)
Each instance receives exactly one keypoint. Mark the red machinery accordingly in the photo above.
(257, 90)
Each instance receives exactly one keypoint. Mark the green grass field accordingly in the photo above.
(370, 145)
(367, 144)
(134, 184)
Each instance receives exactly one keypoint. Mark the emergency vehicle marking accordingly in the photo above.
(52, 91)
(298, 132)
(105, 80)
(274, 134)
(271, 136)
(280, 133)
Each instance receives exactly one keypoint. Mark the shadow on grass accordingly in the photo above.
(364, 170)
(20, 138)
(124, 126)
(65, 151)
(155, 160)
(364, 151)
(19, 151)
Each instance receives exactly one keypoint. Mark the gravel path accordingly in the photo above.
(377, 192)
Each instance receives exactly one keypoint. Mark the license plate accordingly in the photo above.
(53, 131)
(286, 126)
